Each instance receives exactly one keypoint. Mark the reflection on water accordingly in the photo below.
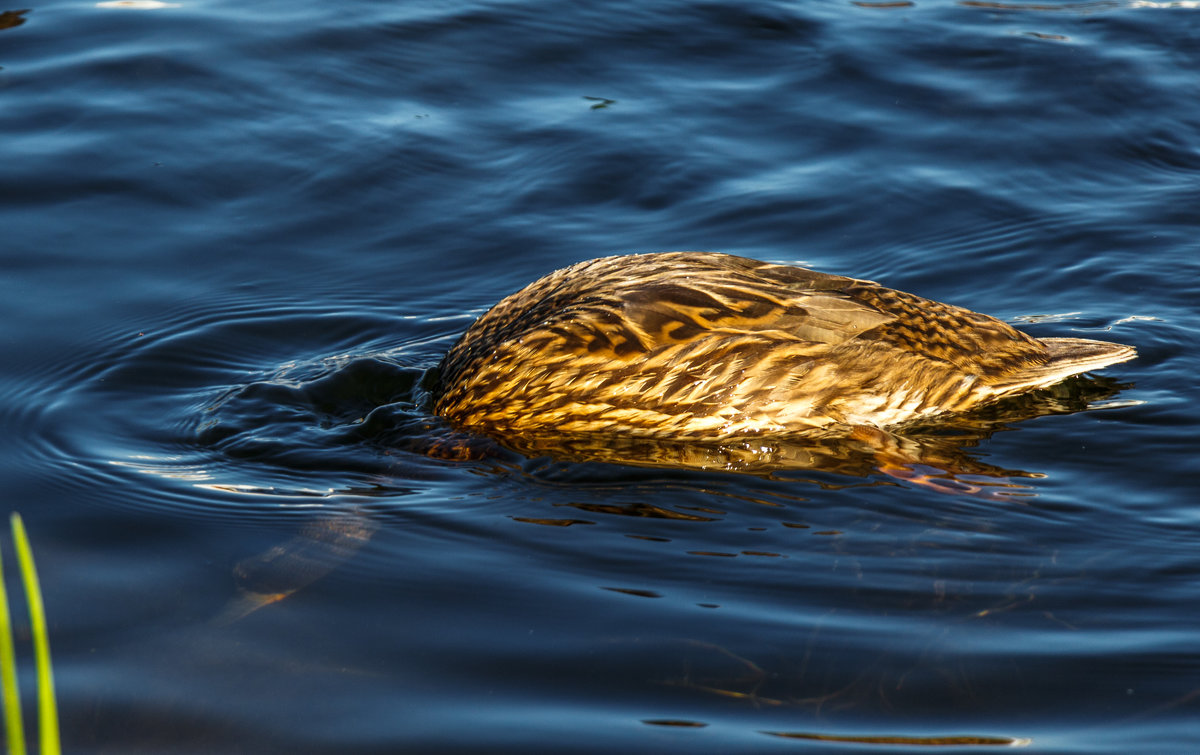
(937, 452)
(322, 546)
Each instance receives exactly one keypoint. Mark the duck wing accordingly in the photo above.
(957, 342)
(742, 297)
(970, 342)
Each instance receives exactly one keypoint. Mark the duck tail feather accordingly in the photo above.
(1067, 357)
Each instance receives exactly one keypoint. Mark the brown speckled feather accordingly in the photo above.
(705, 345)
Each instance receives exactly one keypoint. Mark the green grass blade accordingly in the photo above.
(14, 729)
(47, 707)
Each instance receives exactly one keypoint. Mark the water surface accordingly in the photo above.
(236, 238)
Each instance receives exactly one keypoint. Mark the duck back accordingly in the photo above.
(705, 345)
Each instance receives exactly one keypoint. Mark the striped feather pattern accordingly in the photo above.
(703, 345)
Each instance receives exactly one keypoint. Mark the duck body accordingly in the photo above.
(701, 345)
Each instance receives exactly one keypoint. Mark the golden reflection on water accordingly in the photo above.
(935, 456)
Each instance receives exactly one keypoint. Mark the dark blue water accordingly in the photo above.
(235, 237)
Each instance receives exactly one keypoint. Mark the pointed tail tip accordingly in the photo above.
(1070, 356)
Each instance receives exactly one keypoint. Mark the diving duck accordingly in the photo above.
(699, 345)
